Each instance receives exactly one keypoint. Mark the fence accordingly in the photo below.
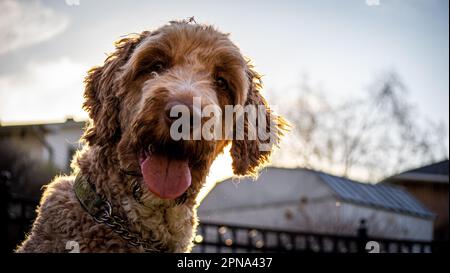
(215, 237)
(17, 221)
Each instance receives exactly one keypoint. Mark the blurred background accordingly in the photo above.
(365, 84)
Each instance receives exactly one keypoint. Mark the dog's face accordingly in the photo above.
(131, 99)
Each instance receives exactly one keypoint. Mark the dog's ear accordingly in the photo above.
(249, 154)
(100, 94)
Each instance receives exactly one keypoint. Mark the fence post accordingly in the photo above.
(362, 236)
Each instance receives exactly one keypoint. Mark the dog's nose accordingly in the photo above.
(180, 110)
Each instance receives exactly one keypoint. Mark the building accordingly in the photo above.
(310, 201)
(429, 184)
(53, 142)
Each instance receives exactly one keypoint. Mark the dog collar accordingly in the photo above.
(88, 198)
(101, 210)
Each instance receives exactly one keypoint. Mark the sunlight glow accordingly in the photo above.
(220, 170)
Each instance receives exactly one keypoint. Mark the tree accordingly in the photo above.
(368, 137)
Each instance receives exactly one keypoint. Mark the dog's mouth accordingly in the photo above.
(165, 176)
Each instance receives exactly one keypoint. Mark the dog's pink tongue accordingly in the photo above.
(166, 178)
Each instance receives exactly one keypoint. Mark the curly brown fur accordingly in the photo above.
(125, 102)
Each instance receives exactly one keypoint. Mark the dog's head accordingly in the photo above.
(131, 101)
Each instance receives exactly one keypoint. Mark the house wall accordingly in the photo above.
(63, 142)
(435, 196)
(388, 224)
(30, 144)
(62, 138)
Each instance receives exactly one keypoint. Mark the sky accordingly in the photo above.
(48, 45)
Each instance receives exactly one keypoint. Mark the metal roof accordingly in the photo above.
(380, 195)
(441, 168)
(433, 173)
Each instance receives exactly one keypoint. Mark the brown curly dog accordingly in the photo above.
(134, 187)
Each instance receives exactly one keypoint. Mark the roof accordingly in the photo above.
(299, 181)
(45, 127)
(435, 168)
(379, 195)
(434, 173)
(245, 192)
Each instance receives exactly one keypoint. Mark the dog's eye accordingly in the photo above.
(221, 83)
(157, 67)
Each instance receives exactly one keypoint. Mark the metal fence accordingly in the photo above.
(17, 221)
(216, 237)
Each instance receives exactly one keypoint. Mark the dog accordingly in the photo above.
(133, 187)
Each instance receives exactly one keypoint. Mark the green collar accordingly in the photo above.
(89, 199)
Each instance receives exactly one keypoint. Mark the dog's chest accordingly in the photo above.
(171, 226)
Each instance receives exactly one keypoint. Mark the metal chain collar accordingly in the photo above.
(119, 226)
(101, 210)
